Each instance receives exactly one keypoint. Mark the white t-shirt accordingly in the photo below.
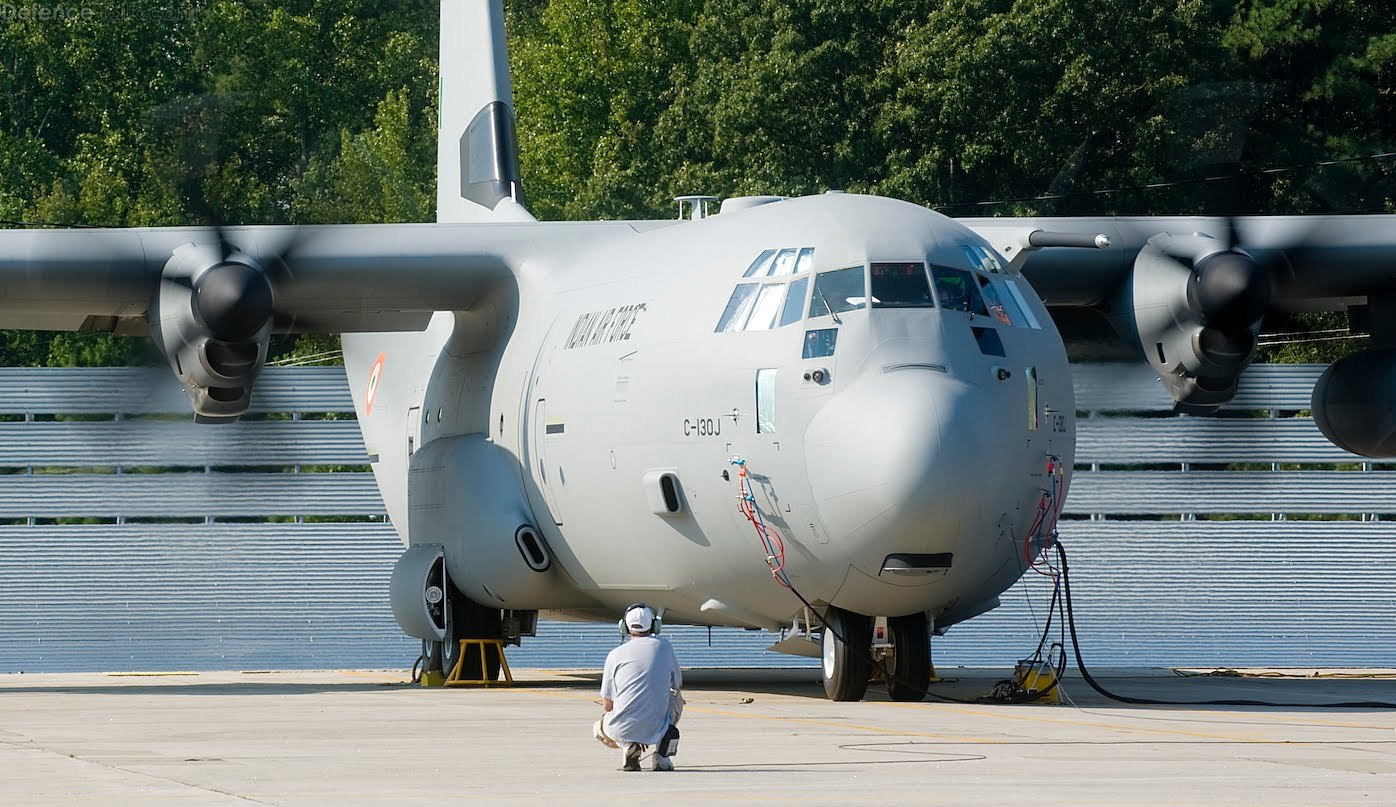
(637, 678)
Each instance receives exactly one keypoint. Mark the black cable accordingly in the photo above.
(889, 674)
(1098, 687)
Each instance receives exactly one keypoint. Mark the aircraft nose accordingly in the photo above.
(901, 461)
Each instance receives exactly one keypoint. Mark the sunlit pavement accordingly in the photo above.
(353, 737)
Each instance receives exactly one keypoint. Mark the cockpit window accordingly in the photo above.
(738, 307)
(763, 313)
(957, 290)
(762, 265)
(820, 343)
(795, 302)
(838, 291)
(1001, 306)
(1024, 309)
(900, 285)
(784, 263)
(781, 262)
(982, 259)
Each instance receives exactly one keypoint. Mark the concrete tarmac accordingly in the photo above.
(352, 737)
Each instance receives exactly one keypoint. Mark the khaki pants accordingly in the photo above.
(598, 729)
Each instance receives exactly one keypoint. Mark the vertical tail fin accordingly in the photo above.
(477, 153)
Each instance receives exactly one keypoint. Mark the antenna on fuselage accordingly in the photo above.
(696, 206)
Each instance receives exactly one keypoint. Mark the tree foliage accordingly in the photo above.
(158, 112)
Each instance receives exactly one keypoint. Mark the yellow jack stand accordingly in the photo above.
(466, 646)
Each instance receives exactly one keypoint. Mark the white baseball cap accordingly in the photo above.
(639, 618)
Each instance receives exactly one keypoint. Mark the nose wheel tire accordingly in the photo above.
(911, 658)
(846, 667)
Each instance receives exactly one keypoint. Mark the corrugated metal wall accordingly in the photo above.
(187, 571)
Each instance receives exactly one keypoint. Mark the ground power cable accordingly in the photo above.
(1100, 688)
(775, 561)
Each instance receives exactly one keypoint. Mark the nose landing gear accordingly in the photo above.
(910, 672)
(848, 657)
(847, 664)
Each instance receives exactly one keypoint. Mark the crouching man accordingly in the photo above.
(640, 693)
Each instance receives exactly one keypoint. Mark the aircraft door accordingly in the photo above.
(414, 430)
(539, 432)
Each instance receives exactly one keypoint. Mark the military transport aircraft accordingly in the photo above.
(845, 396)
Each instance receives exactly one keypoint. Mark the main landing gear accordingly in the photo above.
(465, 619)
(850, 661)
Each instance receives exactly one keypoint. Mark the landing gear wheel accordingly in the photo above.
(433, 661)
(466, 619)
(911, 658)
(846, 666)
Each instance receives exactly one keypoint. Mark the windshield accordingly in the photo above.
(838, 291)
(900, 285)
(957, 290)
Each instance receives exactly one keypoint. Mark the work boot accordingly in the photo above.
(662, 763)
(631, 757)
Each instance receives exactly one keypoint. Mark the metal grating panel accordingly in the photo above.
(1215, 440)
(204, 596)
(152, 390)
(1163, 492)
(132, 443)
(246, 596)
(185, 495)
(1135, 387)
(1207, 593)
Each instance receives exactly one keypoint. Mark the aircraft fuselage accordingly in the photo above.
(898, 447)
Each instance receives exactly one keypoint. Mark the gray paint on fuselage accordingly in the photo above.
(675, 368)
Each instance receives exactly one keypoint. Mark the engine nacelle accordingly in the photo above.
(1190, 305)
(211, 319)
(466, 494)
(1354, 403)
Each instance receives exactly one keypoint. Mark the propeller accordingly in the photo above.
(215, 307)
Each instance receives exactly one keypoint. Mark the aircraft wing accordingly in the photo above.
(334, 278)
(1189, 294)
(211, 297)
(1320, 262)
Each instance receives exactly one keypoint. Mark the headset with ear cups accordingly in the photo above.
(654, 628)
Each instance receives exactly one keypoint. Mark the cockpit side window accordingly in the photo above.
(762, 265)
(795, 302)
(738, 307)
(1001, 306)
(900, 285)
(784, 263)
(767, 306)
(982, 259)
(957, 290)
(838, 291)
(1025, 310)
